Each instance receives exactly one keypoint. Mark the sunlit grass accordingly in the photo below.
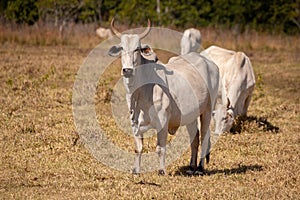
(42, 157)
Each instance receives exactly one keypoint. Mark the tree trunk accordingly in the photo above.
(158, 11)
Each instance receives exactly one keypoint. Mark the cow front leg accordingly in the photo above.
(247, 103)
(138, 139)
(161, 150)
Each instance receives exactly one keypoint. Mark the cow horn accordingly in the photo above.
(228, 103)
(114, 30)
(142, 35)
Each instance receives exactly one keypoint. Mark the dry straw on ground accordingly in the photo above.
(42, 157)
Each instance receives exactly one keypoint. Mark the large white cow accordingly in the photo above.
(236, 86)
(238, 83)
(190, 41)
(164, 97)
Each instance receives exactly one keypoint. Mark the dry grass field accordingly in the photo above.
(41, 156)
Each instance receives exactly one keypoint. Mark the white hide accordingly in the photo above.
(164, 97)
(238, 82)
(103, 32)
(190, 41)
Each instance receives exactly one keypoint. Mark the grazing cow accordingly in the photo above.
(236, 86)
(190, 41)
(238, 82)
(164, 97)
(103, 32)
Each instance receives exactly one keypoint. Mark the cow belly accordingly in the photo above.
(189, 95)
(187, 106)
(185, 116)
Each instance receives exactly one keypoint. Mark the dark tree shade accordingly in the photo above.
(267, 15)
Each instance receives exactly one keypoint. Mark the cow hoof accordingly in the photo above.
(199, 171)
(135, 171)
(190, 171)
(161, 172)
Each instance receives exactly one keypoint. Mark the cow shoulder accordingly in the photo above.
(160, 97)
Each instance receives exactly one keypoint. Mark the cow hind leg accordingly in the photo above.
(138, 154)
(208, 151)
(194, 139)
(205, 142)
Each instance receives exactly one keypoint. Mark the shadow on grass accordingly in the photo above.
(242, 123)
(147, 183)
(241, 169)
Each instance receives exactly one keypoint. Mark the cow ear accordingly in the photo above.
(148, 53)
(146, 50)
(115, 51)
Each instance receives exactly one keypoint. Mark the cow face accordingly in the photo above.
(130, 49)
(132, 52)
(223, 117)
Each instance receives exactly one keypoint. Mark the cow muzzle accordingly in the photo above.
(127, 72)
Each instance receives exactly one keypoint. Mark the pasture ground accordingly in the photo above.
(41, 156)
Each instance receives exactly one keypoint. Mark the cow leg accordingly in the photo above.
(161, 150)
(160, 115)
(205, 141)
(194, 139)
(247, 102)
(138, 139)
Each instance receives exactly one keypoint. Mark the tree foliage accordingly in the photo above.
(22, 11)
(273, 15)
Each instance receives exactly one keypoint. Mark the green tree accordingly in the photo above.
(59, 11)
(190, 13)
(3, 6)
(271, 15)
(22, 11)
(137, 11)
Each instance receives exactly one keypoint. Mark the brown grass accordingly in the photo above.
(42, 158)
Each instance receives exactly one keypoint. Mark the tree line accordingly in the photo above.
(266, 15)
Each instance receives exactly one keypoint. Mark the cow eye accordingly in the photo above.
(146, 50)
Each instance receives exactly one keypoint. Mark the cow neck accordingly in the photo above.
(145, 74)
(129, 83)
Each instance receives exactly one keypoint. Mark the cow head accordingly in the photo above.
(185, 43)
(131, 50)
(223, 117)
(190, 41)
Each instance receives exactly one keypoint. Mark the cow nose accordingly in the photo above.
(127, 72)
